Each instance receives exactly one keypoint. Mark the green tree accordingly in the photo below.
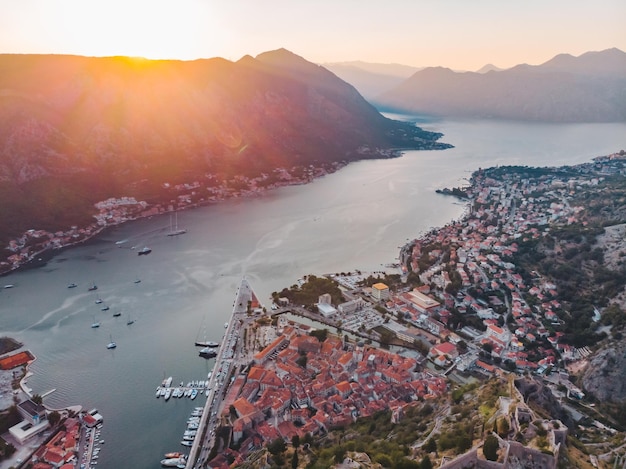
(340, 454)
(426, 463)
(383, 460)
(502, 425)
(37, 399)
(405, 463)
(430, 446)
(320, 334)
(490, 448)
(276, 446)
(301, 361)
(295, 441)
(54, 417)
(294, 460)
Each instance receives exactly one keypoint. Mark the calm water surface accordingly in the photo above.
(355, 218)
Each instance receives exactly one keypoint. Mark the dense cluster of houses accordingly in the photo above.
(479, 247)
(283, 395)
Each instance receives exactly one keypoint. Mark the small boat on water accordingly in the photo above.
(111, 344)
(117, 314)
(71, 285)
(206, 343)
(225, 325)
(144, 251)
(194, 393)
(92, 287)
(186, 443)
(104, 308)
(10, 285)
(167, 382)
(173, 454)
(98, 301)
(174, 230)
(130, 321)
(203, 341)
(174, 462)
(168, 393)
(207, 352)
(137, 280)
(95, 323)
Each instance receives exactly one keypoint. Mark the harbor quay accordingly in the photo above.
(228, 358)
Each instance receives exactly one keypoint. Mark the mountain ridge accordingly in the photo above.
(101, 124)
(587, 88)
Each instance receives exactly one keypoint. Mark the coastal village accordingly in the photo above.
(400, 345)
(299, 384)
(33, 244)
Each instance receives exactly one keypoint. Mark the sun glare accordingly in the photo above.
(154, 30)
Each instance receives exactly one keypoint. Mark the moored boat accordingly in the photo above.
(207, 352)
(144, 251)
(174, 462)
(111, 344)
(206, 343)
(173, 454)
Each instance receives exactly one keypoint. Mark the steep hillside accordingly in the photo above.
(74, 130)
(588, 88)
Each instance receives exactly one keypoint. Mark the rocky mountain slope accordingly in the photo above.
(74, 130)
(588, 88)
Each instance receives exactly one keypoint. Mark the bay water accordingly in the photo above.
(356, 218)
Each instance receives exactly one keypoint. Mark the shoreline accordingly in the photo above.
(51, 252)
(42, 256)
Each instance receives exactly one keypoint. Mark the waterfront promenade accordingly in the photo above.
(225, 364)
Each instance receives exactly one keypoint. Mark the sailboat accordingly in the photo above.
(95, 323)
(204, 342)
(174, 230)
(111, 344)
(130, 321)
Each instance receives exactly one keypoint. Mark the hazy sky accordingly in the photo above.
(461, 34)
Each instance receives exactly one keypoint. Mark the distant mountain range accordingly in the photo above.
(75, 130)
(371, 79)
(588, 88)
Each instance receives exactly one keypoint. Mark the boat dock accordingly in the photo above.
(218, 379)
(191, 390)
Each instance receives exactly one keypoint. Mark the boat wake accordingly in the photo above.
(67, 303)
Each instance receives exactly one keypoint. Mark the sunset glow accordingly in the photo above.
(452, 33)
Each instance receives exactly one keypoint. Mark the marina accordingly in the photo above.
(217, 384)
(191, 389)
